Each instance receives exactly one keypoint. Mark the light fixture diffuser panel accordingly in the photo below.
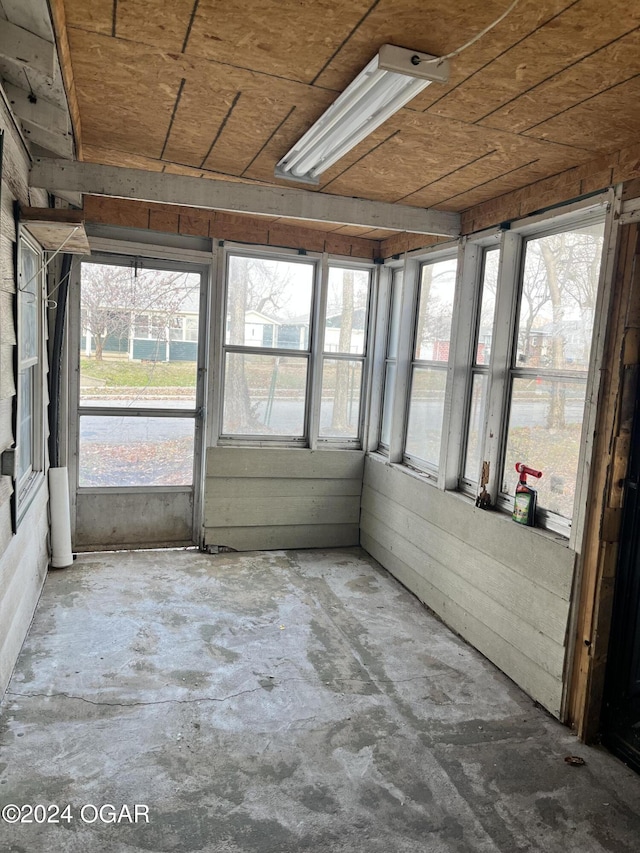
(403, 61)
(389, 81)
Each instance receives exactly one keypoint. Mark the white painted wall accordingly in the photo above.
(23, 557)
(503, 587)
(266, 498)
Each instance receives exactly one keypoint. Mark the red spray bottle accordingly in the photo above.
(524, 505)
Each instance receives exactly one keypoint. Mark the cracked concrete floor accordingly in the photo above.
(280, 702)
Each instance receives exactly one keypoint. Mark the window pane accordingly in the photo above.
(545, 424)
(269, 303)
(25, 449)
(433, 333)
(134, 451)
(426, 409)
(387, 405)
(394, 321)
(560, 284)
(28, 283)
(340, 405)
(132, 351)
(264, 395)
(346, 321)
(476, 421)
(487, 305)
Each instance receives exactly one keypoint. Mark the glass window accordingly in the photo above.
(340, 404)
(135, 451)
(429, 367)
(435, 311)
(346, 318)
(549, 372)
(133, 351)
(482, 360)
(268, 303)
(264, 395)
(426, 408)
(29, 429)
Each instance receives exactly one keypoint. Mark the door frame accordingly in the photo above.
(109, 250)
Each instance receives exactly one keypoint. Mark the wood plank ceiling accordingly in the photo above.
(219, 89)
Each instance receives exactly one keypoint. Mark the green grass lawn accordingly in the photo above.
(140, 374)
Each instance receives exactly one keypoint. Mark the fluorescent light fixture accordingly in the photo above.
(392, 78)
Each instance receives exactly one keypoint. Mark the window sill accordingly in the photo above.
(500, 514)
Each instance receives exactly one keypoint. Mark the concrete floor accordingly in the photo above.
(279, 702)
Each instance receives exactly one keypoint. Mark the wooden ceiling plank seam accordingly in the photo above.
(446, 175)
(173, 116)
(114, 18)
(345, 40)
(190, 59)
(572, 36)
(552, 76)
(194, 12)
(575, 106)
(490, 181)
(221, 128)
(243, 198)
(355, 162)
(266, 142)
(502, 53)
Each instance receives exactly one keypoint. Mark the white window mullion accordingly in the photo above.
(217, 325)
(380, 309)
(408, 315)
(317, 344)
(501, 354)
(460, 359)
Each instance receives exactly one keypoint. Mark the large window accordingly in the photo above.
(30, 433)
(295, 344)
(430, 359)
(345, 336)
(492, 367)
(558, 289)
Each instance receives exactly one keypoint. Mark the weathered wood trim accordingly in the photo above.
(609, 464)
(233, 196)
(59, 21)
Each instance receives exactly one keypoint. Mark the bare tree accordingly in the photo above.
(112, 295)
(340, 414)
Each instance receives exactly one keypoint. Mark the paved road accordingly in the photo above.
(286, 418)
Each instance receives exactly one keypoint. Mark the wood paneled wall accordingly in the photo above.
(502, 587)
(23, 556)
(259, 498)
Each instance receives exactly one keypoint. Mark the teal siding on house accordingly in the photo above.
(183, 351)
(149, 350)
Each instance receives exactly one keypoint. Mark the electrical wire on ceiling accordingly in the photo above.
(438, 60)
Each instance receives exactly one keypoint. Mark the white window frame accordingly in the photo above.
(27, 483)
(501, 370)
(314, 353)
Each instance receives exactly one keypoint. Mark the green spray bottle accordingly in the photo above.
(524, 505)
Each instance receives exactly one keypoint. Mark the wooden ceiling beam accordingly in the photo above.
(163, 188)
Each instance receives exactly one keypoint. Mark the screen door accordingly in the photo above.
(140, 386)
